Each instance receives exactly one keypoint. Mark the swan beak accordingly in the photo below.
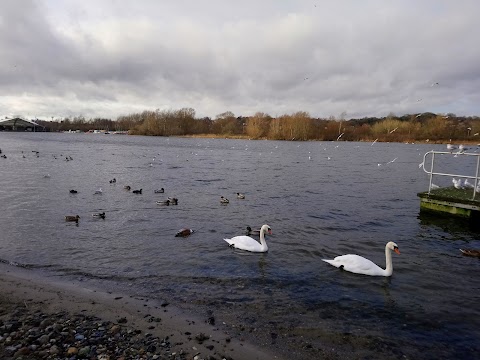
(397, 251)
(269, 232)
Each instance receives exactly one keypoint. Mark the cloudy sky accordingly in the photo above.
(107, 58)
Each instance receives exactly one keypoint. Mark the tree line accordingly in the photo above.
(296, 126)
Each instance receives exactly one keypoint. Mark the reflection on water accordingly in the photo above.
(449, 223)
(321, 200)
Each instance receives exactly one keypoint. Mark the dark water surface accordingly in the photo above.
(322, 199)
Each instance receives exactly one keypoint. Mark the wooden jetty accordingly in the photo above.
(452, 201)
(456, 200)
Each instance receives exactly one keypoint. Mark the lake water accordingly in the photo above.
(322, 199)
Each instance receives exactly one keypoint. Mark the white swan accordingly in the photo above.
(359, 265)
(248, 243)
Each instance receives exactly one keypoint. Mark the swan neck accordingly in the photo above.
(388, 261)
(262, 238)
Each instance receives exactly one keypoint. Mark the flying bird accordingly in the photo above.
(339, 136)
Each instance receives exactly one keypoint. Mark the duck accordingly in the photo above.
(224, 200)
(72, 218)
(470, 252)
(252, 232)
(127, 187)
(137, 191)
(240, 196)
(98, 191)
(113, 181)
(73, 191)
(99, 215)
(173, 200)
(184, 232)
(159, 191)
(248, 243)
(164, 202)
(360, 265)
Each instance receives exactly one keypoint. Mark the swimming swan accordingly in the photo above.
(359, 265)
(250, 244)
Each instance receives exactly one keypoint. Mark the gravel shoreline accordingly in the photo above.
(40, 319)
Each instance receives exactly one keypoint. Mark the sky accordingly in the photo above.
(340, 58)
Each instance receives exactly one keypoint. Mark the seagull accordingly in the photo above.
(461, 148)
(394, 130)
(240, 196)
(435, 83)
(457, 183)
(374, 141)
(467, 184)
(450, 147)
(99, 191)
(434, 186)
(339, 136)
(391, 161)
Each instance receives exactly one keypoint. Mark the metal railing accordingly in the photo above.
(430, 172)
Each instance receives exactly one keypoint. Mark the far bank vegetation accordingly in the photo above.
(296, 126)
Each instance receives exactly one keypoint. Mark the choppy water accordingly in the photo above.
(322, 199)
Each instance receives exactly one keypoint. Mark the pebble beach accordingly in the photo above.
(41, 319)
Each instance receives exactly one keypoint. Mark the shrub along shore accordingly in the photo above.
(419, 127)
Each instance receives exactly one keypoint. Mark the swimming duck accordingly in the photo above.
(252, 232)
(184, 233)
(159, 191)
(127, 187)
(72, 218)
(470, 252)
(137, 191)
(73, 191)
(173, 201)
(240, 196)
(113, 181)
(359, 265)
(248, 243)
(224, 200)
(164, 202)
(99, 215)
